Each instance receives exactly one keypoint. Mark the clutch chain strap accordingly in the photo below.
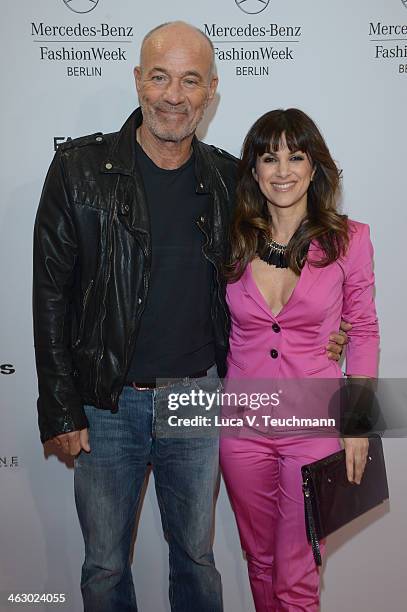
(311, 524)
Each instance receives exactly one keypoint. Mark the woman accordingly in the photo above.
(297, 268)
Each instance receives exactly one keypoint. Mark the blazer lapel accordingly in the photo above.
(253, 291)
(310, 275)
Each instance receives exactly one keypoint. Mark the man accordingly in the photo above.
(130, 236)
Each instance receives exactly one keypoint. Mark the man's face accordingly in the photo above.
(174, 83)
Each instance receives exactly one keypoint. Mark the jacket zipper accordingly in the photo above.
(199, 224)
(131, 342)
(226, 314)
(99, 357)
(84, 307)
(223, 182)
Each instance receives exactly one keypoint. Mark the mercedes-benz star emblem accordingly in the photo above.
(252, 7)
(81, 6)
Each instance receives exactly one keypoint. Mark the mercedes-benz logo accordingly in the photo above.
(81, 6)
(252, 7)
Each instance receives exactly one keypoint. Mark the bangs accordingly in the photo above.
(271, 128)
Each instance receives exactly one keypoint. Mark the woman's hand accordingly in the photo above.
(356, 450)
(337, 341)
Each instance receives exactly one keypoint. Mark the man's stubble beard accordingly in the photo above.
(161, 133)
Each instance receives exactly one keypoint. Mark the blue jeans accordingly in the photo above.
(108, 483)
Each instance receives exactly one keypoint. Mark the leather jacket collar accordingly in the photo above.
(122, 155)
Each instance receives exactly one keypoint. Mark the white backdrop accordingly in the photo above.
(345, 63)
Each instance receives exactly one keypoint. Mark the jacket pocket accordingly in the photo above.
(236, 362)
(326, 370)
(83, 314)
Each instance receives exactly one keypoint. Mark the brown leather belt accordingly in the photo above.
(160, 383)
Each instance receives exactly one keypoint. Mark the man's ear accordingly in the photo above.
(212, 88)
(137, 76)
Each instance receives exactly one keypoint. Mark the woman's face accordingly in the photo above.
(284, 176)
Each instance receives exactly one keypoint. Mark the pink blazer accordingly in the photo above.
(293, 343)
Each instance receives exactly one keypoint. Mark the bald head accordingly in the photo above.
(178, 32)
(175, 80)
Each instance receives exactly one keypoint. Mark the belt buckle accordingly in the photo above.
(168, 383)
(138, 388)
(153, 385)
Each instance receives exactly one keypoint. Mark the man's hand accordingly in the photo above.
(356, 456)
(337, 341)
(73, 442)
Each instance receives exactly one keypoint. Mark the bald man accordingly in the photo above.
(130, 235)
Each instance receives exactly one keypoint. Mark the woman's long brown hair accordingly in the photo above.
(251, 226)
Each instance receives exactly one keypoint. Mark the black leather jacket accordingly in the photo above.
(92, 253)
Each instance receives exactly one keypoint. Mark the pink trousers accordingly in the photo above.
(263, 479)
